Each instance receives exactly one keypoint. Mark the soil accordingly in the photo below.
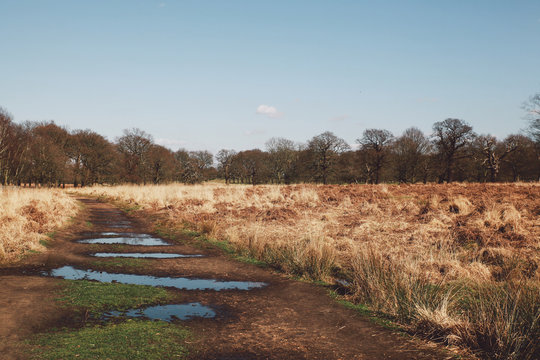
(287, 319)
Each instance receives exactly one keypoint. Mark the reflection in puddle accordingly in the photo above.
(131, 240)
(145, 255)
(167, 312)
(105, 222)
(128, 234)
(71, 273)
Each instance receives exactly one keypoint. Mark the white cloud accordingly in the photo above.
(162, 5)
(171, 143)
(269, 111)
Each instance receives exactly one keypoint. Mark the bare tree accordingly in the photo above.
(375, 144)
(225, 159)
(134, 145)
(523, 162)
(532, 106)
(251, 166)
(49, 153)
(5, 135)
(95, 155)
(193, 165)
(324, 150)
(493, 152)
(161, 164)
(451, 136)
(283, 155)
(411, 152)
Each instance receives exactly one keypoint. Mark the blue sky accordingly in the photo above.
(232, 74)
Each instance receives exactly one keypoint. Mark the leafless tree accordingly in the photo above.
(451, 136)
(532, 107)
(283, 155)
(135, 145)
(493, 152)
(5, 135)
(225, 159)
(324, 150)
(375, 145)
(411, 152)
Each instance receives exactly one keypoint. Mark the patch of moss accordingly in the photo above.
(96, 297)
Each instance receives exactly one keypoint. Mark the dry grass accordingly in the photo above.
(26, 215)
(457, 262)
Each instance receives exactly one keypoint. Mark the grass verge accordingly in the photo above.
(132, 339)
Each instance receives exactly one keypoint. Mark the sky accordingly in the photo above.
(207, 75)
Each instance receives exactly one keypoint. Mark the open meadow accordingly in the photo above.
(458, 263)
(27, 216)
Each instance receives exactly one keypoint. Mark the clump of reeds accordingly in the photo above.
(26, 215)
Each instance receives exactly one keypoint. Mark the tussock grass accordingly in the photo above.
(27, 215)
(457, 262)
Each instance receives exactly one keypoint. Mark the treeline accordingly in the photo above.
(43, 153)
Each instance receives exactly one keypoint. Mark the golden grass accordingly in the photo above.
(440, 231)
(26, 215)
(449, 260)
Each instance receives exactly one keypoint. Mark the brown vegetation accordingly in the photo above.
(26, 215)
(456, 262)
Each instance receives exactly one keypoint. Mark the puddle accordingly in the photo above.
(71, 273)
(145, 255)
(120, 234)
(132, 240)
(343, 282)
(167, 312)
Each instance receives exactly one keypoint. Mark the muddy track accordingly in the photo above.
(286, 319)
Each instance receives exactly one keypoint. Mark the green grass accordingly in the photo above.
(133, 339)
(95, 297)
(131, 208)
(119, 263)
(45, 243)
(364, 310)
(191, 233)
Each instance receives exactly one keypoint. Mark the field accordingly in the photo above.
(27, 216)
(457, 263)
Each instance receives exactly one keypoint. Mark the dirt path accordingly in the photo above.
(285, 320)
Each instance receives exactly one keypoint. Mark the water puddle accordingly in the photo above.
(145, 255)
(131, 240)
(71, 273)
(117, 234)
(166, 312)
